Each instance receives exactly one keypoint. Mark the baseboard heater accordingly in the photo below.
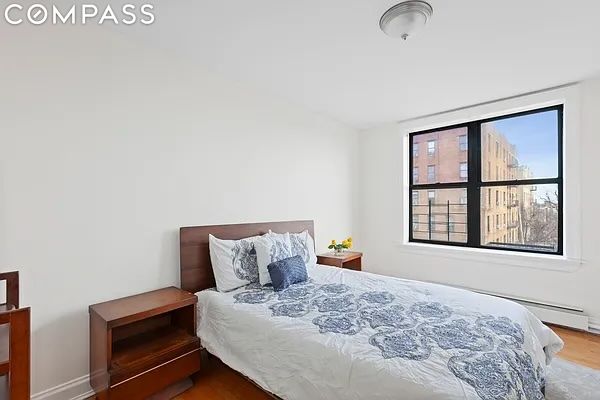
(559, 315)
(571, 317)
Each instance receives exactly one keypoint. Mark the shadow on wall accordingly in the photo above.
(169, 259)
(64, 342)
(3, 214)
(55, 344)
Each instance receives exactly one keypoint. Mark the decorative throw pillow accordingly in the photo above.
(303, 245)
(269, 249)
(286, 272)
(234, 262)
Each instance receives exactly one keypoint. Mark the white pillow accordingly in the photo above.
(233, 262)
(303, 245)
(271, 248)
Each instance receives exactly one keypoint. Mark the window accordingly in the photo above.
(505, 180)
(416, 150)
(416, 174)
(415, 197)
(431, 173)
(415, 226)
(463, 197)
(463, 143)
(464, 172)
(431, 147)
(431, 195)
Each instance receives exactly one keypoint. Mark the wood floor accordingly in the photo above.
(580, 347)
(218, 382)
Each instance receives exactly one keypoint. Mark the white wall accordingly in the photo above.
(107, 148)
(382, 165)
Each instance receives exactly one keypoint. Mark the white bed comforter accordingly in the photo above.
(351, 335)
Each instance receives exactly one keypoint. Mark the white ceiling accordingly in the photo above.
(331, 57)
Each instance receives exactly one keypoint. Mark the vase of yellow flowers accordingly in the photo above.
(338, 248)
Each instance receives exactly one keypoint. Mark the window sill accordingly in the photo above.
(537, 261)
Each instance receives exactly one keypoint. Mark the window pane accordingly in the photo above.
(463, 143)
(431, 173)
(440, 214)
(431, 147)
(445, 159)
(520, 217)
(464, 172)
(416, 175)
(524, 147)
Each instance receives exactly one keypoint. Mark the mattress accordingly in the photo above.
(354, 335)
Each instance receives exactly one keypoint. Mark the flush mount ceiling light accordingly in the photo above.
(405, 19)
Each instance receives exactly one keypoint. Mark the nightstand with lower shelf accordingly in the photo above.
(348, 259)
(143, 345)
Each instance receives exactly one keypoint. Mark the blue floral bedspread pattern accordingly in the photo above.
(482, 350)
(243, 259)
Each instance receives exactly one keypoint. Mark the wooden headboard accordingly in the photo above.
(194, 258)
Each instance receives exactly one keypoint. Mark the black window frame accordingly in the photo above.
(475, 183)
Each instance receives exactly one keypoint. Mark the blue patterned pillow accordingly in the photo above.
(287, 272)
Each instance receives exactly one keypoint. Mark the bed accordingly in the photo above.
(355, 335)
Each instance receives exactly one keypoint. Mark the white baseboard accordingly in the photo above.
(595, 325)
(76, 389)
(557, 316)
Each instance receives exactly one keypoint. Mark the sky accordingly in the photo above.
(536, 139)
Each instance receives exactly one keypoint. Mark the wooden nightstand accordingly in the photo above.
(349, 259)
(144, 344)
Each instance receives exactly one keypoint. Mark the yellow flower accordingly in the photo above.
(333, 243)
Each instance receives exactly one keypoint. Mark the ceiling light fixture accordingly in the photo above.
(405, 19)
